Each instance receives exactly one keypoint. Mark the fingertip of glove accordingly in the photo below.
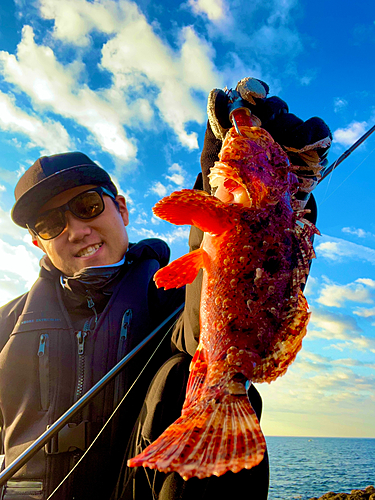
(218, 114)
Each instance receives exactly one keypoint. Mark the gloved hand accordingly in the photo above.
(306, 143)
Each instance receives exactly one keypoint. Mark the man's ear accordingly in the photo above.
(123, 209)
(36, 241)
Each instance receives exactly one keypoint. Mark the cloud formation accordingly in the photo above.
(140, 61)
(18, 270)
(213, 9)
(336, 249)
(48, 135)
(361, 233)
(333, 295)
(178, 234)
(55, 87)
(347, 136)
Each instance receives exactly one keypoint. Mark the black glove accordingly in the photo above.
(306, 143)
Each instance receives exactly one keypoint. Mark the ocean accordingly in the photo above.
(302, 467)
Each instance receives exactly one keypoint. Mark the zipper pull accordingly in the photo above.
(42, 345)
(125, 326)
(81, 336)
(91, 305)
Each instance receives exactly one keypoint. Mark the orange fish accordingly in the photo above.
(253, 316)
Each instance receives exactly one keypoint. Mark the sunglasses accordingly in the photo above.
(86, 205)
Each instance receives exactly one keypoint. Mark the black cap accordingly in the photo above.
(50, 176)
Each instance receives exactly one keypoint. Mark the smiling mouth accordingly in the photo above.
(90, 250)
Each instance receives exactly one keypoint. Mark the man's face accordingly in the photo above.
(100, 241)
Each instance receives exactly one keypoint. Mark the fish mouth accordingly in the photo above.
(228, 186)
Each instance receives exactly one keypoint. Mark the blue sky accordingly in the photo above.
(127, 83)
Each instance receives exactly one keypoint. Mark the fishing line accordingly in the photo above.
(329, 181)
(112, 414)
(327, 198)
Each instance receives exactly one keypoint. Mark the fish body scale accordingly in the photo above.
(253, 315)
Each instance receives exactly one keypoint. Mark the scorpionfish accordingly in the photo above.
(253, 316)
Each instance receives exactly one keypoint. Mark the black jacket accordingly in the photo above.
(45, 367)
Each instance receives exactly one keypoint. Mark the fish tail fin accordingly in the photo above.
(210, 438)
(181, 271)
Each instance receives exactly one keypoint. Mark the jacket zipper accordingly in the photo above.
(124, 335)
(81, 338)
(43, 354)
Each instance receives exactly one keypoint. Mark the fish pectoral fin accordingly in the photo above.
(195, 208)
(181, 271)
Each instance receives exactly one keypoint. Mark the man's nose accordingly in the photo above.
(77, 228)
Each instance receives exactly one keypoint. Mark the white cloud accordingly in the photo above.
(347, 136)
(339, 104)
(49, 135)
(141, 62)
(178, 175)
(367, 281)
(331, 387)
(174, 74)
(8, 228)
(277, 34)
(178, 234)
(275, 39)
(75, 19)
(142, 217)
(365, 313)
(159, 189)
(333, 327)
(336, 249)
(333, 295)
(24, 269)
(361, 233)
(213, 9)
(54, 87)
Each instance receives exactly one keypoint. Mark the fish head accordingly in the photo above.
(253, 172)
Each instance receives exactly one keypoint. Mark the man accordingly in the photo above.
(94, 301)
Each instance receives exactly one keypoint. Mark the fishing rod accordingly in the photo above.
(326, 171)
(81, 403)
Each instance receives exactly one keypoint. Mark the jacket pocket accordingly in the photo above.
(23, 490)
(43, 355)
(121, 351)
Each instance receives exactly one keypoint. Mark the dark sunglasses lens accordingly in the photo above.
(50, 224)
(87, 205)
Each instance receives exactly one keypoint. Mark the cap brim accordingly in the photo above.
(30, 202)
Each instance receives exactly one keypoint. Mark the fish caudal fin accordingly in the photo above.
(210, 438)
(181, 271)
